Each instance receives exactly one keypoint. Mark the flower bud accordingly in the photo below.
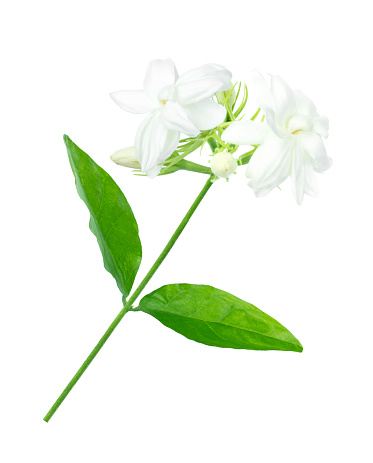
(222, 96)
(223, 164)
(126, 157)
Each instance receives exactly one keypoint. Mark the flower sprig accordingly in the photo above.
(176, 161)
(287, 142)
(204, 105)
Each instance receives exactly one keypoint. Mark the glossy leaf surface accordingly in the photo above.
(217, 318)
(112, 220)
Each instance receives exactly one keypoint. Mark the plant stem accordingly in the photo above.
(130, 301)
(230, 113)
(212, 142)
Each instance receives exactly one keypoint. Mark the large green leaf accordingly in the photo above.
(112, 220)
(216, 318)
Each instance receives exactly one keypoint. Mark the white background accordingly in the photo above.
(152, 395)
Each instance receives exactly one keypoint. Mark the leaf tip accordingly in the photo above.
(298, 347)
(68, 142)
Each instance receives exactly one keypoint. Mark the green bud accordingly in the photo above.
(126, 157)
(223, 164)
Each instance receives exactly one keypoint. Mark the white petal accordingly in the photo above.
(207, 70)
(146, 151)
(175, 117)
(303, 176)
(160, 72)
(246, 132)
(299, 122)
(272, 122)
(154, 143)
(265, 99)
(314, 147)
(270, 165)
(206, 114)
(133, 101)
(298, 172)
(166, 93)
(321, 126)
(261, 90)
(201, 83)
(304, 105)
(284, 100)
(311, 187)
(153, 171)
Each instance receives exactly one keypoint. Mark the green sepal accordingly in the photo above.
(245, 157)
(216, 318)
(183, 164)
(111, 217)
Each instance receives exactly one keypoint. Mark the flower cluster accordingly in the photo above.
(175, 105)
(288, 142)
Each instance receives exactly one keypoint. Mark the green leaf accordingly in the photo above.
(112, 220)
(216, 318)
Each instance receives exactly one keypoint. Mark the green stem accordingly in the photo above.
(212, 142)
(230, 113)
(130, 301)
(256, 113)
(219, 140)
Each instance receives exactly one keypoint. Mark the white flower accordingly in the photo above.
(176, 105)
(223, 164)
(126, 157)
(291, 139)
